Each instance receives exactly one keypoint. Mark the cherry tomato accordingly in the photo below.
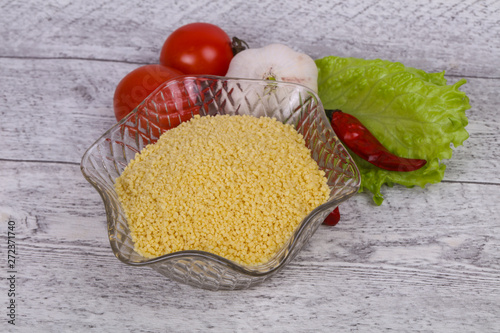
(138, 84)
(198, 48)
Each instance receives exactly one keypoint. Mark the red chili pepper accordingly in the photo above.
(333, 218)
(362, 142)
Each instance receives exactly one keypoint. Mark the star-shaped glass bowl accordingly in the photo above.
(179, 100)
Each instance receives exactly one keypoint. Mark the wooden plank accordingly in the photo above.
(62, 193)
(362, 274)
(51, 200)
(459, 36)
(65, 200)
(84, 291)
(58, 108)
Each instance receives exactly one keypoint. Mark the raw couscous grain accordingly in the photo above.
(236, 186)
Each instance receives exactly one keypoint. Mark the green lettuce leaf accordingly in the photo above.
(414, 114)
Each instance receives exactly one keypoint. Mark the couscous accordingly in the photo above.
(236, 186)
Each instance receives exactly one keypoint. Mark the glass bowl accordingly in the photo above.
(179, 100)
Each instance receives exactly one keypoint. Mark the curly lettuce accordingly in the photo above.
(412, 113)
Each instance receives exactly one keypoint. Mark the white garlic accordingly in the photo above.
(275, 62)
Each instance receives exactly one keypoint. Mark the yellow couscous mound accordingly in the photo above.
(236, 186)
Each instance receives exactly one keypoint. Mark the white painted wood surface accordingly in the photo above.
(427, 260)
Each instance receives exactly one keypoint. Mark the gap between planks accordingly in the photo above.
(148, 63)
(78, 164)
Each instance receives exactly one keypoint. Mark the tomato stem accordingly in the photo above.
(238, 45)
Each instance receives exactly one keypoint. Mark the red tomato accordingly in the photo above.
(137, 85)
(198, 48)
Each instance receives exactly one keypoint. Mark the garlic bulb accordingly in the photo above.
(275, 62)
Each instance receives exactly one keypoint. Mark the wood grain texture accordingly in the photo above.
(427, 260)
(458, 36)
(67, 104)
(412, 268)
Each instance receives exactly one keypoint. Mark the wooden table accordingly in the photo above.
(427, 260)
